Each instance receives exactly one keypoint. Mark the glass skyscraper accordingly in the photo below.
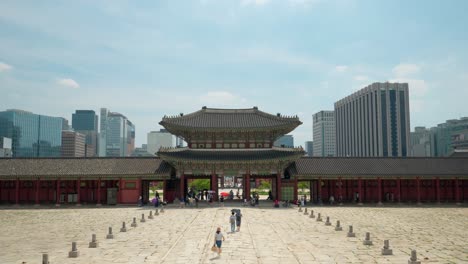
(32, 135)
(86, 122)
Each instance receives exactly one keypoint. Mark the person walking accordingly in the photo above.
(238, 220)
(219, 238)
(232, 221)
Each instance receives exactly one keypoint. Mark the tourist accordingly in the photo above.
(238, 195)
(221, 201)
(270, 195)
(231, 195)
(232, 221)
(276, 204)
(157, 195)
(238, 220)
(219, 238)
(140, 201)
(331, 200)
(156, 201)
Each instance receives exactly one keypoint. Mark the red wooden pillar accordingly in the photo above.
(57, 193)
(99, 193)
(17, 192)
(164, 195)
(296, 195)
(278, 187)
(340, 191)
(38, 183)
(182, 186)
(361, 195)
(418, 190)
(457, 191)
(379, 191)
(319, 190)
(121, 189)
(247, 186)
(438, 189)
(78, 192)
(398, 187)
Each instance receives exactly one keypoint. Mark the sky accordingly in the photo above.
(146, 59)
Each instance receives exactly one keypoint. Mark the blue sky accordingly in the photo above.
(146, 59)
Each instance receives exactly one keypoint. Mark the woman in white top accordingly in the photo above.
(219, 238)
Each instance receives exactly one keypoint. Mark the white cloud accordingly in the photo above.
(221, 99)
(5, 67)
(361, 78)
(404, 70)
(341, 68)
(68, 83)
(254, 2)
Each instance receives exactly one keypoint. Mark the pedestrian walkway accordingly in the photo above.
(267, 235)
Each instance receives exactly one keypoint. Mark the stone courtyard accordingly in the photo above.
(439, 234)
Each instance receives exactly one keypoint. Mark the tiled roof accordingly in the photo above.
(230, 118)
(230, 154)
(334, 166)
(105, 167)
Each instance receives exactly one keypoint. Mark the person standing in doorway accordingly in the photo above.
(219, 238)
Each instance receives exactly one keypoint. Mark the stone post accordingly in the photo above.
(305, 211)
(156, 212)
(367, 241)
(386, 248)
(327, 223)
(93, 243)
(338, 226)
(110, 235)
(74, 252)
(300, 208)
(134, 224)
(142, 218)
(150, 216)
(319, 218)
(124, 228)
(45, 258)
(414, 258)
(350, 232)
(312, 214)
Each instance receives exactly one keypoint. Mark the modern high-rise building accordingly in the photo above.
(323, 124)
(374, 122)
(451, 135)
(65, 125)
(73, 144)
(32, 135)
(422, 142)
(5, 147)
(86, 122)
(117, 135)
(286, 141)
(158, 139)
(309, 148)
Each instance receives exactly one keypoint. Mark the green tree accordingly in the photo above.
(303, 185)
(200, 184)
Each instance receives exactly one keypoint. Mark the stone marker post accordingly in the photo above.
(45, 258)
(319, 218)
(74, 252)
(312, 214)
(327, 223)
(150, 215)
(123, 228)
(134, 224)
(305, 211)
(414, 258)
(142, 218)
(110, 235)
(367, 241)
(386, 250)
(300, 209)
(93, 243)
(338, 226)
(350, 232)
(156, 212)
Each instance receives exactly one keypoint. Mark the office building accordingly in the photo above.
(286, 141)
(158, 139)
(323, 124)
(5, 147)
(309, 148)
(73, 144)
(422, 142)
(32, 135)
(86, 122)
(117, 135)
(451, 135)
(374, 122)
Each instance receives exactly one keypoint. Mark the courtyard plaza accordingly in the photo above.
(267, 235)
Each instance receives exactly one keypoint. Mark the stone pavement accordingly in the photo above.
(267, 235)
